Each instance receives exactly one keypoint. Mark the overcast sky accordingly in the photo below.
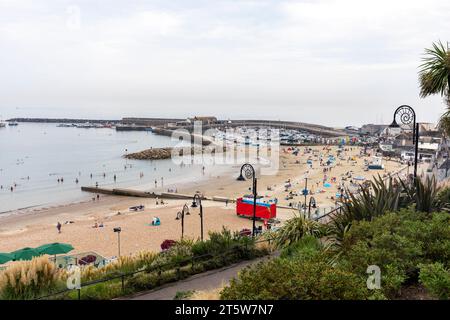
(345, 62)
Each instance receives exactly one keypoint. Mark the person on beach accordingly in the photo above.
(98, 197)
(76, 181)
(115, 178)
(58, 227)
(156, 183)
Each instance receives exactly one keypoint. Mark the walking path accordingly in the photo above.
(204, 281)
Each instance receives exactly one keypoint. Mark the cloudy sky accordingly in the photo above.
(330, 62)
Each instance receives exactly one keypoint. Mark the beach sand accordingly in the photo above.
(37, 227)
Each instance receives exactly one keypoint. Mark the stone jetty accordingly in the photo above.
(166, 153)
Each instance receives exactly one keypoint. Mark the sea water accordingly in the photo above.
(34, 156)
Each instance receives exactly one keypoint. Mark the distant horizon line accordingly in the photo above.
(69, 119)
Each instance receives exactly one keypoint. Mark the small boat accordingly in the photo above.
(2, 125)
(13, 123)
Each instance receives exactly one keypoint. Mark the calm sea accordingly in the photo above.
(34, 156)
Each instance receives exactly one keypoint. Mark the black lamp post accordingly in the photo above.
(197, 201)
(180, 216)
(250, 173)
(305, 191)
(118, 230)
(407, 116)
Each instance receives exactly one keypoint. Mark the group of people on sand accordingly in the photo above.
(98, 225)
(159, 202)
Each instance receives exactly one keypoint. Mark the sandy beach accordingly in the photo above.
(37, 227)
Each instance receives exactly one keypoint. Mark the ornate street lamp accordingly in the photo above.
(180, 216)
(197, 201)
(407, 116)
(250, 173)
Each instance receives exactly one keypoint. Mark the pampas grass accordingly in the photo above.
(124, 264)
(28, 279)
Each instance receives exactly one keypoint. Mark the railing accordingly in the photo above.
(158, 269)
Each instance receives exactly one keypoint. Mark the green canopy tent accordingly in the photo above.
(25, 254)
(54, 249)
(5, 257)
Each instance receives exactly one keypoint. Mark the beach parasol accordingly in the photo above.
(5, 257)
(327, 185)
(25, 254)
(54, 248)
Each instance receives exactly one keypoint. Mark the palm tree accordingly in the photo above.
(434, 76)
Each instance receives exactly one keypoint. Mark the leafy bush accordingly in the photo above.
(423, 193)
(436, 278)
(183, 295)
(304, 248)
(178, 254)
(123, 265)
(375, 200)
(381, 197)
(101, 291)
(398, 243)
(443, 198)
(296, 228)
(231, 246)
(305, 279)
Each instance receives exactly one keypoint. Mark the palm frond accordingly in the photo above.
(434, 73)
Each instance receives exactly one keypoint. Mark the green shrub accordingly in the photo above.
(443, 198)
(436, 279)
(397, 243)
(423, 193)
(220, 242)
(183, 295)
(101, 291)
(296, 228)
(381, 197)
(304, 248)
(304, 279)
